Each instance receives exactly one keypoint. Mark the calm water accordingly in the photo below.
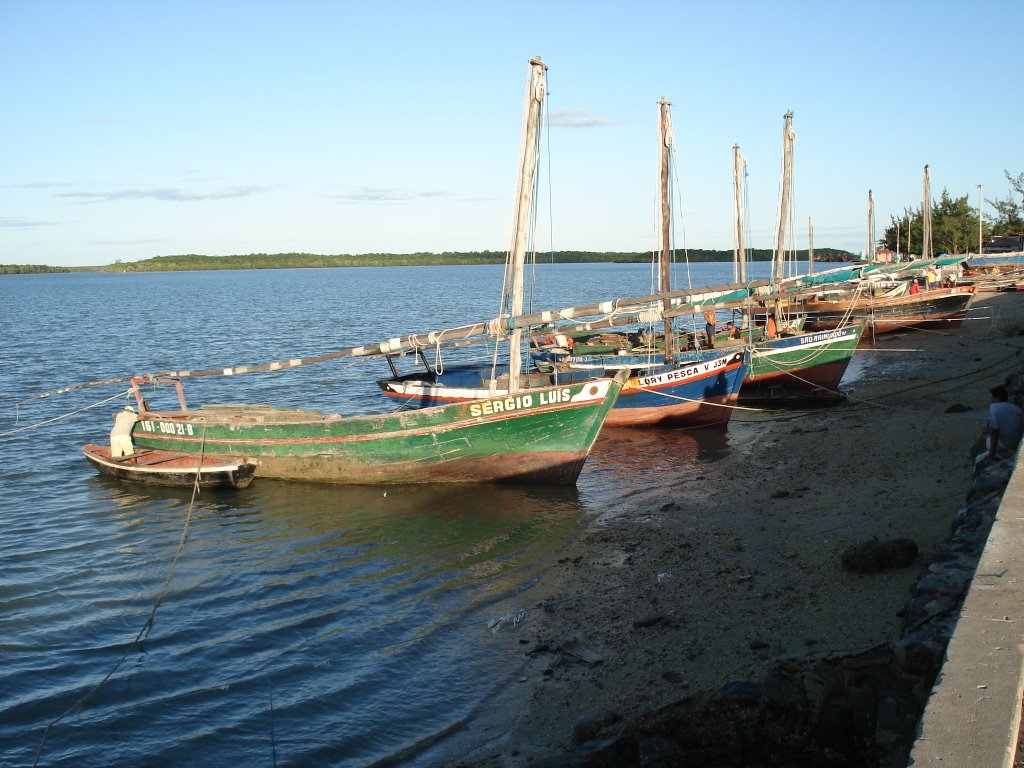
(302, 624)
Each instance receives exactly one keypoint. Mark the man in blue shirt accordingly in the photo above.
(1005, 425)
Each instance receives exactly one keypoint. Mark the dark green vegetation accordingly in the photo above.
(955, 222)
(28, 269)
(306, 260)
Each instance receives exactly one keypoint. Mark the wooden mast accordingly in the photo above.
(785, 195)
(528, 155)
(785, 201)
(739, 169)
(739, 172)
(664, 150)
(810, 246)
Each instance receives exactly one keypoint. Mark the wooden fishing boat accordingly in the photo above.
(991, 277)
(788, 362)
(155, 467)
(664, 387)
(690, 393)
(534, 435)
(806, 363)
(937, 309)
(882, 312)
(687, 393)
(791, 365)
(791, 361)
(541, 436)
(884, 302)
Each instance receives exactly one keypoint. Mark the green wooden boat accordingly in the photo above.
(539, 436)
(535, 435)
(803, 363)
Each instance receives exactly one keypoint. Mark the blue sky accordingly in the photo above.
(145, 128)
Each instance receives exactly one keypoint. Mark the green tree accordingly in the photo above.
(1009, 219)
(1009, 216)
(907, 227)
(955, 222)
(954, 227)
(1017, 182)
(28, 269)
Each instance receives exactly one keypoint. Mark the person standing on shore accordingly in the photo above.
(1005, 426)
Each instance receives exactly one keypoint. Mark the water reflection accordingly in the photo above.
(132, 495)
(338, 597)
(624, 460)
(450, 535)
(469, 532)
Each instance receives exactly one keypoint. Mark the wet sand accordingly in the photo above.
(707, 581)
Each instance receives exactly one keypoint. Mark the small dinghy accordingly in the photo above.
(155, 467)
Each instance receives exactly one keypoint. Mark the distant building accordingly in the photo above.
(1004, 244)
(885, 256)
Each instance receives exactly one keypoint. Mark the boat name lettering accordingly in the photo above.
(167, 427)
(517, 402)
(824, 336)
(682, 373)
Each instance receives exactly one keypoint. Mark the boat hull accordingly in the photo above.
(172, 469)
(688, 394)
(801, 364)
(698, 394)
(536, 437)
(937, 310)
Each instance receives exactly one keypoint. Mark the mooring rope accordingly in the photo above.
(148, 625)
(62, 416)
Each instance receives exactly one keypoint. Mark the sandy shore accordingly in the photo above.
(701, 583)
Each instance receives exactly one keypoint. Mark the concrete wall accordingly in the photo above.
(973, 715)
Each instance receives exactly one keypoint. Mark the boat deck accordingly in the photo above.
(245, 414)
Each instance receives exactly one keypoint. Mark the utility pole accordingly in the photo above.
(871, 227)
(981, 204)
(926, 224)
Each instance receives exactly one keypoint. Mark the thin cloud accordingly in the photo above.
(105, 243)
(17, 222)
(37, 185)
(387, 195)
(578, 118)
(169, 194)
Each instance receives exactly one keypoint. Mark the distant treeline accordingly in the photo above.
(28, 269)
(310, 260)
